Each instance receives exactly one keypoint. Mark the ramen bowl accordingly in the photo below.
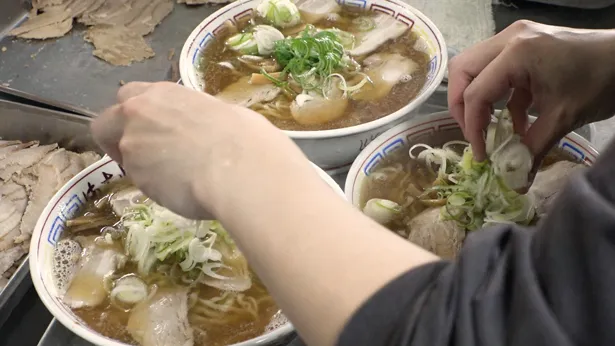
(413, 131)
(332, 150)
(65, 205)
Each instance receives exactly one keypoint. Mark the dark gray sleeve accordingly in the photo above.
(553, 285)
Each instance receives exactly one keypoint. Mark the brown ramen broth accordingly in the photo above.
(360, 108)
(399, 178)
(217, 317)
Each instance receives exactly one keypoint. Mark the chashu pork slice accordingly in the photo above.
(8, 239)
(52, 172)
(44, 4)
(125, 198)
(19, 160)
(151, 16)
(386, 28)
(550, 181)
(74, 164)
(50, 31)
(7, 147)
(162, 320)
(56, 19)
(87, 287)
(429, 231)
(89, 157)
(17, 195)
(385, 70)
(116, 13)
(48, 20)
(118, 45)
(9, 257)
(245, 94)
(9, 217)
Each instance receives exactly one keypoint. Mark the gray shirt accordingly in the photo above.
(549, 285)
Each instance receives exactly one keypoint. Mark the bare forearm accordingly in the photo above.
(319, 256)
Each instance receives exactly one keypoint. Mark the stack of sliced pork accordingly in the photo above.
(116, 28)
(30, 174)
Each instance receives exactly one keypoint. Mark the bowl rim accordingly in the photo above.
(86, 333)
(355, 170)
(345, 131)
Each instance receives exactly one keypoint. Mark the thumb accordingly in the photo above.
(541, 136)
(518, 104)
(107, 130)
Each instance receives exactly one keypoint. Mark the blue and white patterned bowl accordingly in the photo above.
(409, 131)
(332, 150)
(65, 205)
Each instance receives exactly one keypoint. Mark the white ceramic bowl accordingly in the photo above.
(64, 206)
(332, 150)
(408, 132)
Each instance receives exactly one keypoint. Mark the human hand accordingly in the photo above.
(173, 141)
(566, 74)
(194, 154)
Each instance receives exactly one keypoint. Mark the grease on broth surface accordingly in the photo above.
(217, 317)
(400, 179)
(217, 77)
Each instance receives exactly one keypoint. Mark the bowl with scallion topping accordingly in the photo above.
(421, 181)
(119, 269)
(333, 75)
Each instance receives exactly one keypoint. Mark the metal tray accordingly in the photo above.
(24, 122)
(14, 291)
(65, 70)
(19, 96)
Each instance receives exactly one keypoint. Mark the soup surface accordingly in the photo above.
(218, 301)
(380, 67)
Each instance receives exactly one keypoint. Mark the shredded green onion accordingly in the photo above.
(155, 235)
(309, 59)
(480, 193)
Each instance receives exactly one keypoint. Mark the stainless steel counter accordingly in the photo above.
(65, 69)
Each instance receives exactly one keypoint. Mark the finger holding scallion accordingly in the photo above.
(482, 193)
(470, 193)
